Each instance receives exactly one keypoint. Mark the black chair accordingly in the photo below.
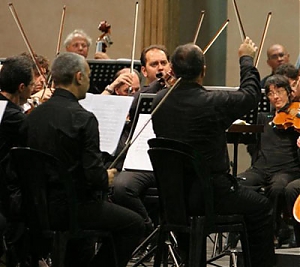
(38, 174)
(175, 166)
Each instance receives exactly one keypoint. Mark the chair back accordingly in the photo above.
(176, 168)
(40, 174)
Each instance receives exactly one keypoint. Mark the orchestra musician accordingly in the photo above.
(129, 186)
(123, 80)
(275, 162)
(63, 128)
(292, 73)
(200, 118)
(276, 55)
(17, 84)
(40, 93)
(79, 42)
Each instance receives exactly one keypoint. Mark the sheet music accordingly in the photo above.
(111, 112)
(137, 156)
(3, 104)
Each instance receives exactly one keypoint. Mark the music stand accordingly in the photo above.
(250, 117)
(144, 106)
(104, 71)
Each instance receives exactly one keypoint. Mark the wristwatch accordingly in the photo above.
(109, 90)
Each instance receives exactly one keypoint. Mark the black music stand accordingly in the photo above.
(104, 71)
(144, 106)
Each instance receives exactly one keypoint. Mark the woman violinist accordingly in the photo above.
(275, 161)
(40, 92)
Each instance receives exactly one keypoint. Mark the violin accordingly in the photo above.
(296, 209)
(104, 41)
(288, 117)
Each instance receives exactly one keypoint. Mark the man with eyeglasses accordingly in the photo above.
(276, 55)
(275, 162)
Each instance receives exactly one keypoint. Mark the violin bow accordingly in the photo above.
(238, 17)
(61, 27)
(134, 41)
(199, 26)
(128, 144)
(216, 36)
(263, 38)
(15, 16)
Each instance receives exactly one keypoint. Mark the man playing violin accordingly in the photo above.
(275, 162)
(129, 187)
(17, 84)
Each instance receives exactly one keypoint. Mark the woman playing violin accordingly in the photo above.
(275, 161)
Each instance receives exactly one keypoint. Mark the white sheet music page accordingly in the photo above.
(3, 104)
(111, 112)
(137, 156)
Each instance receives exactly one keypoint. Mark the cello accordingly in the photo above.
(104, 41)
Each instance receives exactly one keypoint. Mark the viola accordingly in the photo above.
(288, 117)
(104, 39)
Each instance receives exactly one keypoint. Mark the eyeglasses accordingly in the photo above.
(279, 92)
(275, 56)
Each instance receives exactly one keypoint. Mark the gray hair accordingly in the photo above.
(65, 66)
(76, 33)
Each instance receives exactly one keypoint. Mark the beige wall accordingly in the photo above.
(41, 21)
(283, 29)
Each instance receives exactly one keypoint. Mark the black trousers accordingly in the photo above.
(231, 198)
(126, 226)
(275, 185)
(129, 188)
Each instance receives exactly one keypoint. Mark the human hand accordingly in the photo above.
(43, 95)
(298, 142)
(111, 175)
(247, 48)
(124, 78)
(101, 55)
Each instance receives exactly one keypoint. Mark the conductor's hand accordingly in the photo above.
(247, 48)
(111, 175)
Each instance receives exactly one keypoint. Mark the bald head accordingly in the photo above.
(277, 55)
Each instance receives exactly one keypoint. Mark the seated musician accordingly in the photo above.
(124, 84)
(130, 186)
(40, 93)
(292, 74)
(275, 162)
(63, 128)
(16, 83)
(200, 118)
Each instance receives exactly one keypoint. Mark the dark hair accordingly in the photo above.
(188, 62)
(278, 81)
(15, 71)
(288, 70)
(153, 47)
